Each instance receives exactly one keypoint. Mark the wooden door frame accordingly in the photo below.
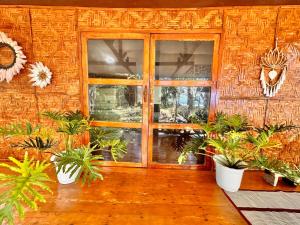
(148, 82)
(144, 83)
(208, 83)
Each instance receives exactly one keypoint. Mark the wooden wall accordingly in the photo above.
(51, 35)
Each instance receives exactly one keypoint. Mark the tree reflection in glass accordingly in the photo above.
(181, 104)
(115, 103)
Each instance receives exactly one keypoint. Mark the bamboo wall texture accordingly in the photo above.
(51, 35)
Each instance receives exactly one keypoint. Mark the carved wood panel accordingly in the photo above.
(248, 33)
(150, 19)
(253, 109)
(288, 32)
(55, 44)
(17, 97)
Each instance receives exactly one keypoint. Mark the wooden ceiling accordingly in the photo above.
(149, 4)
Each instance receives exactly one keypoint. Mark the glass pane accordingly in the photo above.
(181, 104)
(115, 103)
(183, 60)
(168, 144)
(133, 138)
(119, 59)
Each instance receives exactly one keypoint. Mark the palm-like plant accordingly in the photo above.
(70, 124)
(232, 137)
(22, 188)
(81, 160)
(84, 159)
(277, 166)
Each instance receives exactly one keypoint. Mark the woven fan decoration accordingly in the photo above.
(274, 63)
(9, 69)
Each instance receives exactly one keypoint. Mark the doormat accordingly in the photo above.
(267, 207)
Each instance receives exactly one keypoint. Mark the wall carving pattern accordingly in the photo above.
(51, 36)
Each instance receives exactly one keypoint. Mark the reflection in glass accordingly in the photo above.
(120, 59)
(168, 144)
(181, 104)
(183, 60)
(131, 136)
(115, 103)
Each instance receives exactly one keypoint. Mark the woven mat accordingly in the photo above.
(267, 207)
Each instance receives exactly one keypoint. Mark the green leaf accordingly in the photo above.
(22, 189)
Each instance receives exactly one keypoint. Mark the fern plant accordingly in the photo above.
(22, 187)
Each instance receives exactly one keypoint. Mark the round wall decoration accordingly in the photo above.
(40, 75)
(12, 59)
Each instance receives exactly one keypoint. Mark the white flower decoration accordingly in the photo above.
(8, 71)
(40, 75)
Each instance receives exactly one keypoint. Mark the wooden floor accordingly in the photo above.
(130, 196)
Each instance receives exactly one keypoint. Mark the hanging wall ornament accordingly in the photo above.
(40, 75)
(12, 59)
(273, 71)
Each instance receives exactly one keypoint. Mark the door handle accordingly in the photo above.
(145, 94)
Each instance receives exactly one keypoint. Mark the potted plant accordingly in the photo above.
(232, 144)
(291, 174)
(74, 162)
(271, 166)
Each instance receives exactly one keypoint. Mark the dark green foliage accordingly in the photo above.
(109, 139)
(226, 123)
(70, 123)
(233, 138)
(37, 143)
(276, 165)
(22, 188)
(200, 116)
(276, 127)
(222, 125)
(116, 147)
(262, 140)
(104, 133)
(81, 159)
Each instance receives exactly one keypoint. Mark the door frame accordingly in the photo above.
(85, 36)
(177, 83)
(148, 82)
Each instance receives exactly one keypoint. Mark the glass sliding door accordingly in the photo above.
(115, 71)
(183, 71)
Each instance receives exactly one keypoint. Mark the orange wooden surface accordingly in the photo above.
(135, 196)
(151, 4)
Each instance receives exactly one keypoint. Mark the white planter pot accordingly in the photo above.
(64, 178)
(227, 178)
